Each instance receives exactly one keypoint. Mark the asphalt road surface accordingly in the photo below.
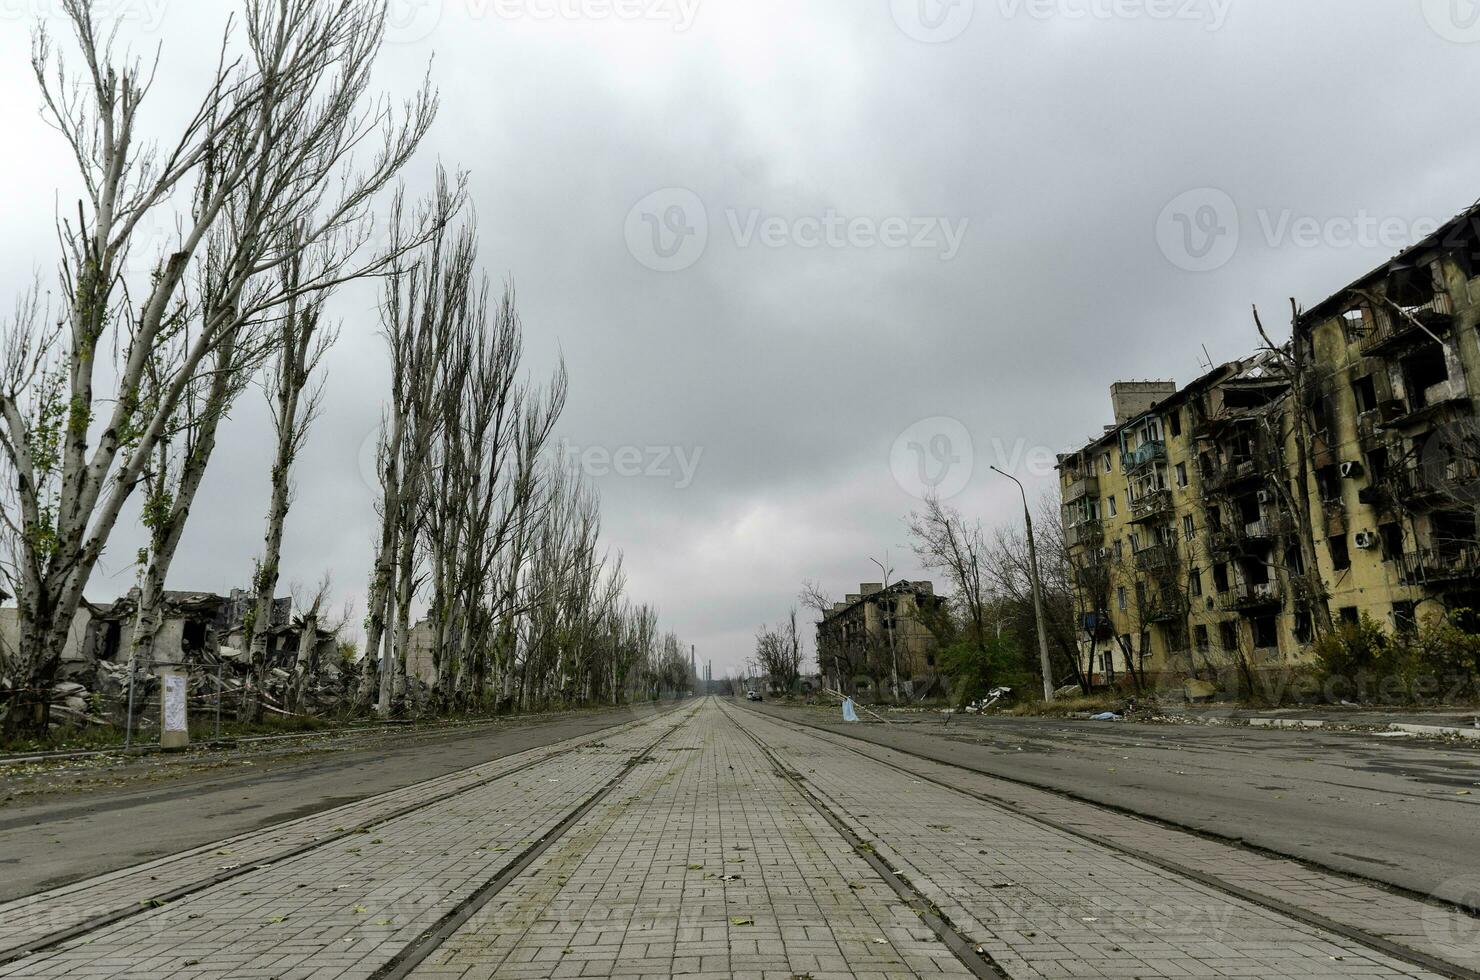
(1403, 811)
(714, 840)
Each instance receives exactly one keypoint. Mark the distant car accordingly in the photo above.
(752, 695)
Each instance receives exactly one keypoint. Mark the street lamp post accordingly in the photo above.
(1037, 589)
(893, 651)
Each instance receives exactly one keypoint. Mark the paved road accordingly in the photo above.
(1401, 811)
(59, 823)
(717, 841)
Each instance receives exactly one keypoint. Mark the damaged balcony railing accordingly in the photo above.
(1148, 452)
(1149, 506)
(1386, 326)
(1433, 565)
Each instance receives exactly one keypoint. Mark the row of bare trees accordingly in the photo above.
(117, 381)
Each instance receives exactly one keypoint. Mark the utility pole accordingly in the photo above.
(893, 653)
(1037, 589)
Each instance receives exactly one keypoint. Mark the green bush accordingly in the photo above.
(973, 673)
(1363, 657)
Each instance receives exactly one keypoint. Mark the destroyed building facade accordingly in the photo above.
(862, 636)
(1184, 521)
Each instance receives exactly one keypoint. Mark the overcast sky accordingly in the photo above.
(807, 257)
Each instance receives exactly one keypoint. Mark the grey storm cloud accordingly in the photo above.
(801, 258)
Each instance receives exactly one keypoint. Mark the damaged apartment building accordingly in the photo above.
(1187, 521)
(860, 639)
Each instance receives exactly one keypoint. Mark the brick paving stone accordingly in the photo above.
(705, 861)
(638, 888)
(1047, 903)
(1432, 929)
(27, 919)
(344, 908)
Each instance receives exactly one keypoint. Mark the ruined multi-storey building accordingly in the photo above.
(861, 638)
(1219, 524)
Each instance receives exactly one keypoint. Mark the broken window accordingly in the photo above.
(1110, 505)
(1228, 635)
(1304, 624)
(1328, 482)
(1391, 534)
(1266, 632)
(1377, 464)
(1181, 474)
(1248, 507)
(1350, 615)
(1220, 578)
(1175, 420)
(1189, 527)
(1423, 371)
(193, 636)
(1366, 392)
(1405, 619)
(1341, 558)
(1201, 634)
(1194, 583)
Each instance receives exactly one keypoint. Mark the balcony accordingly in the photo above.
(1241, 469)
(1150, 506)
(1425, 484)
(1440, 566)
(1098, 625)
(1085, 486)
(1156, 558)
(1086, 534)
(1389, 329)
(1249, 596)
(1268, 527)
(1233, 538)
(1143, 455)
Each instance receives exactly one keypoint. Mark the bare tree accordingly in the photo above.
(778, 652)
(946, 542)
(1294, 363)
(293, 398)
(269, 146)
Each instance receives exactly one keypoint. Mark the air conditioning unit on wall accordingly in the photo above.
(1351, 470)
(1366, 540)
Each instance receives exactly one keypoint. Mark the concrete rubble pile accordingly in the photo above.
(206, 635)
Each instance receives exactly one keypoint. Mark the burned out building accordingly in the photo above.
(860, 639)
(1185, 521)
